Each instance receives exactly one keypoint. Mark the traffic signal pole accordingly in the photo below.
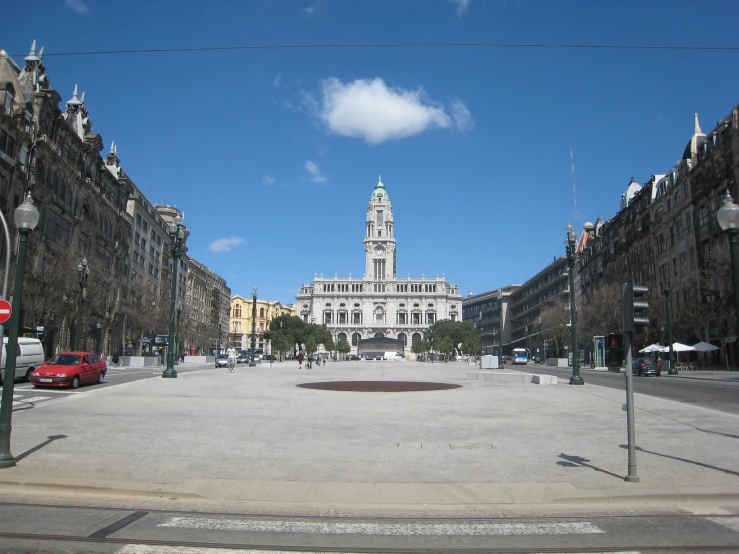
(634, 307)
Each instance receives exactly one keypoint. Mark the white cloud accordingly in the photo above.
(460, 5)
(277, 80)
(225, 244)
(369, 109)
(313, 8)
(462, 116)
(78, 6)
(268, 179)
(316, 175)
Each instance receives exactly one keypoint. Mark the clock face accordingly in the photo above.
(380, 251)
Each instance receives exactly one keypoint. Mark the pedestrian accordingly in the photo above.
(300, 360)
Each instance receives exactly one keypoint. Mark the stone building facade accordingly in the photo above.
(55, 155)
(666, 230)
(205, 320)
(379, 304)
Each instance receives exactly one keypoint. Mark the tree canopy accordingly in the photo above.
(462, 335)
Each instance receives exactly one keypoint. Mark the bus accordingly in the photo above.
(520, 356)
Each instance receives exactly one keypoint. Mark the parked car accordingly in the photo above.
(28, 356)
(70, 369)
(269, 357)
(352, 358)
(222, 360)
(243, 359)
(645, 366)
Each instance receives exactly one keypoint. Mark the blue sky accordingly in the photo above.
(272, 154)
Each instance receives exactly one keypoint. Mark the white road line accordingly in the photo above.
(400, 529)
(32, 399)
(152, 549)
(730, 522)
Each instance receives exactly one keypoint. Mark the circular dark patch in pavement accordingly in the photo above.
(378, 386)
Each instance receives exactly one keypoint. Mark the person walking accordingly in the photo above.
(300, 358)
(231, 359)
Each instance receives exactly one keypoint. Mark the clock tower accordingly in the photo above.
(379, 240)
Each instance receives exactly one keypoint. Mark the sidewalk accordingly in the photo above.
(253, 437)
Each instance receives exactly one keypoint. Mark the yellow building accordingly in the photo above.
(240, 324)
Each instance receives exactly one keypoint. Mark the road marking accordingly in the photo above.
(156, 549)
(730, 522)
(19, 400)
(706, 510)
(400, 529)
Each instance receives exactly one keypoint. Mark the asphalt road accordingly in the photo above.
(717, 392)
(26, 396)
(49, 528)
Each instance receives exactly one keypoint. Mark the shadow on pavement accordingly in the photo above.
(47, 442)
(579, 461)
(701, 464)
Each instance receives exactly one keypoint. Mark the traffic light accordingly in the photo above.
(614, 350)
(634, 305)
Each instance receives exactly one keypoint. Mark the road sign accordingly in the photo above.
(5, 311)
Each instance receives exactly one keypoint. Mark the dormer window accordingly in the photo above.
(9, 97)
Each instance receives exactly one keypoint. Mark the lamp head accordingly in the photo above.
(728, 214)
(26, 215)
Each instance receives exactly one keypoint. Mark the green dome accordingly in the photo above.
(379, 191)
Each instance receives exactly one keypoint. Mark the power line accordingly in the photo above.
(396, 45)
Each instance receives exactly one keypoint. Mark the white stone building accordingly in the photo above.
(379, 304)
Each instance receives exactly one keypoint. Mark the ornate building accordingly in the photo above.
(205, 319)
(379, 304)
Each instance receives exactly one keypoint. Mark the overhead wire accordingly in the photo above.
(394, 45)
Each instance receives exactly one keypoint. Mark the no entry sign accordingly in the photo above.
(5, 311)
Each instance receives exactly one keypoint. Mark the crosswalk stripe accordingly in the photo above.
(399, 529)
(730, 522)
(154, 549)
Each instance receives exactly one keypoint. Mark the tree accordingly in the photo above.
(457, 331)
(600, 313)
(310, 346)
(343, 347)
(471, 345)
(329, 345)
(446, 347)
(555, 322)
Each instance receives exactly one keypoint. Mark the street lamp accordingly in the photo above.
(176, 246)
(26, 218)
(500, 338)
(570, 249)
(83, 272)
(668, 308)
(728, 220)
(252, 363)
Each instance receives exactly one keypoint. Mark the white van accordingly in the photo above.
(393, 357)
(29, 356)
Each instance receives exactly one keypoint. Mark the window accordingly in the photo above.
(355, 339)
(680, 228)
(686, 189)
(402, 318)
(379, 218)
(261, 313)
(328, 318)
(677, 198)
(683, 259)
(689, 219)
(703, 214)
(692, 256)
(416, 318)
(662, 242)
(356, 319)
(379, 233)
(342, 318)
(380, 318)
(430, 319)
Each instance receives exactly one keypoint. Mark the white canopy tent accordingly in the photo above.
(680, 347)
(653, 348)
(704, 347)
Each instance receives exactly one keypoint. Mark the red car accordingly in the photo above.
(70, 369)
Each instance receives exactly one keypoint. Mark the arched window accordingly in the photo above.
(379, 335)
(416, 338)
(342, 336)
(261, 312)
(401, 336)
(355, 339)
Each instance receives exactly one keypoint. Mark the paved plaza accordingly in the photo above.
(254, 437)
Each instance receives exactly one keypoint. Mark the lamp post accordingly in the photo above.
(83, 272)
(728, 220)
(176, 246)
(252, 363)
(668, 308)
(500, 338)
(570, 248)
(26, 218)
